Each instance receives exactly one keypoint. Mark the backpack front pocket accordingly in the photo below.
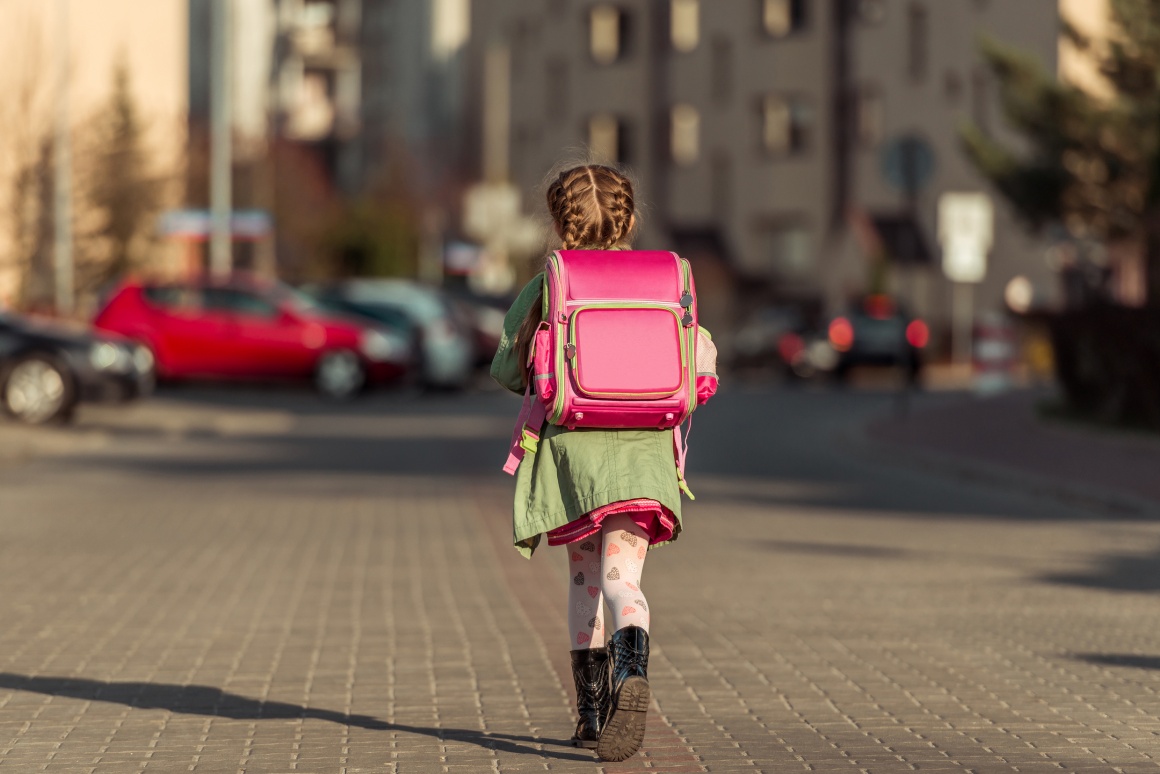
(627, 352)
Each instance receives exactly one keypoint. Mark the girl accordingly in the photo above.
(608, 495)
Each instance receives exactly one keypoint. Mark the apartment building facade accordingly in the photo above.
(349, 79)
(772, 132)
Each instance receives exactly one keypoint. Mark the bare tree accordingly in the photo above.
(122, 191)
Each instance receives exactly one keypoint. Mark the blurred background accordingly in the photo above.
(926, 238)
(351, 190)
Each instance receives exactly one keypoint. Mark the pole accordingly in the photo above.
(963, 313)
(62, 173)
(497, 113)
(221, 152)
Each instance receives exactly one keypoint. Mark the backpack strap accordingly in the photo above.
(526, 435)
(681, 450)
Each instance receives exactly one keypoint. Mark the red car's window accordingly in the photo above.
(172, 298)
(238, 302)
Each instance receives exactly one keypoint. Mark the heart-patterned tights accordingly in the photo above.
(606, 567)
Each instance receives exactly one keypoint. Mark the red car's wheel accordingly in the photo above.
(340, 374)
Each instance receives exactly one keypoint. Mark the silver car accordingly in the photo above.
(445, 345)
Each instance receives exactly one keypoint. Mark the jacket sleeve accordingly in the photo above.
(505, 366)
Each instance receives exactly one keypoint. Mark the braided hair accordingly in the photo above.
(592, 207)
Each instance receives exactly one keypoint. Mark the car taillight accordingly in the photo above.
(842, 334)
(789, 346)
(917, 334)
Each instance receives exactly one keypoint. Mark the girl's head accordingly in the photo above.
(592, 206)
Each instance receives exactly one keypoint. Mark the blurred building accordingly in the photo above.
(148, 40)
(783, 141)
(352, 80)
(1077, 65)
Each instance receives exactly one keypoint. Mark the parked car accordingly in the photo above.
(878, 332)
(758, 341)
(47, 369)
(444, 341)
(248, 329)
(484, 318)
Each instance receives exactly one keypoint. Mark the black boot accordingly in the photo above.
(590, 671)
(623, 732)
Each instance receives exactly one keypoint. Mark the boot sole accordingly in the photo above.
(623, 734)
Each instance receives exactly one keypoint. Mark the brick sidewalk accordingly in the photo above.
(324, 601)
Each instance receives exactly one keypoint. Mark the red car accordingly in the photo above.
(253, 330)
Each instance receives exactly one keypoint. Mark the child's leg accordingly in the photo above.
(625, 547)
(585, 603)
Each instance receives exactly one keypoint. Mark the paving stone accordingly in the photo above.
(329, 600)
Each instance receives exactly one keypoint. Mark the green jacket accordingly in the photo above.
(576, 471)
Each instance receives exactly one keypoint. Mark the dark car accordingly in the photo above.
(47, 369)
(878, 332)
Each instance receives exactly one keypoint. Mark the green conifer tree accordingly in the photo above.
(1089, 163)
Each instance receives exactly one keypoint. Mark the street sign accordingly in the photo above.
(197, 225)
(966, 228)
(907, 163)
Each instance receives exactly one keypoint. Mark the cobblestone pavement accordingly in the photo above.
(234, 582)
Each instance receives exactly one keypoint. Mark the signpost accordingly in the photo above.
(966, 231)
(907, 165)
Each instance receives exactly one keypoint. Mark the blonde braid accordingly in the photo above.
(619, 206)
(566, 198)
(592, 206)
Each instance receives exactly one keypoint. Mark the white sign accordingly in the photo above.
(966, 230)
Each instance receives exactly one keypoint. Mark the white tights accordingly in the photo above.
(606, 566)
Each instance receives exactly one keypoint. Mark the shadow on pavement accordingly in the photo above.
(1119, 659)
(1120, 572)
(768, 450)
(214, 702)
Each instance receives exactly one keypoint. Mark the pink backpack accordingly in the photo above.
(618, 347)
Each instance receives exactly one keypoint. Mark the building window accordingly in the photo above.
(721, 185)
(786, 124)
(869, 117)
(952, 85)
(871, 11)
(685, 24)
(917, 38)
(312, 113)
(607, 138)
(607, 34)
(780, 18)
(315, 28)
(685, 135)
(556, 98)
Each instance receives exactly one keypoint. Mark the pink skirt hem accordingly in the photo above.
(656, 520)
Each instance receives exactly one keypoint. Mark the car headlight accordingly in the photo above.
(376, 345)
(107, 356)
(143, 359)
